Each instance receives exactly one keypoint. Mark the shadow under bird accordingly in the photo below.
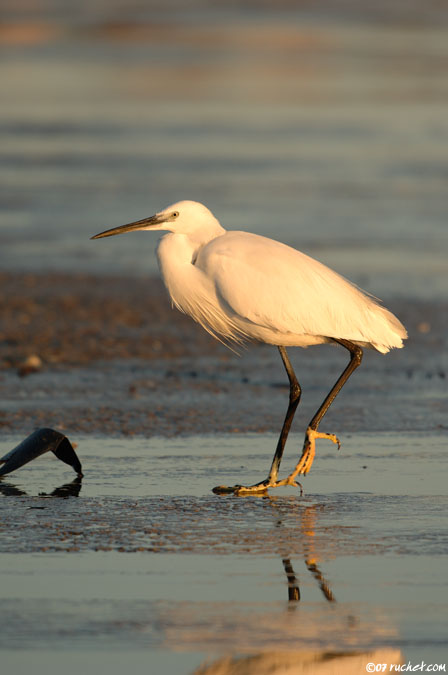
(243, 287)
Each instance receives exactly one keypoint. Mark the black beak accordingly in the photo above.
(138, 225)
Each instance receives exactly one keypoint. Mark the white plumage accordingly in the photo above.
(244, 287)
(259, 289)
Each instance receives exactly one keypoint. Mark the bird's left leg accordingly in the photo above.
(309, 446)
(295, 393)
(294, 399)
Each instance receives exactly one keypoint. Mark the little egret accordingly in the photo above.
(244, 287)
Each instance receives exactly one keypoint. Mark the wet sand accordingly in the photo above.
(117, 360)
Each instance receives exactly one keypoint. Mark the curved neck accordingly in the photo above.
(176, 255)
(174, 251)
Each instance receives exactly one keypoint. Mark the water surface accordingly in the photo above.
(145, 561)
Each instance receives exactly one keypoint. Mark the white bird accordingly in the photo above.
(245, 287)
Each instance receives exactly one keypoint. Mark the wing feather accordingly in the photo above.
(277, 287)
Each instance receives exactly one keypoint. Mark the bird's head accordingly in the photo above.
(186, 217)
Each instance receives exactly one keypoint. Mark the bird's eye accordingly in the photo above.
(175, 214)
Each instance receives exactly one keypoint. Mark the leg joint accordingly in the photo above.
(356, 353)
(295, 391)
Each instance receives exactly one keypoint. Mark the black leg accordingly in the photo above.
(312, 432)
(271, 481)
(355, 361)
(309, 447)
(294, 398)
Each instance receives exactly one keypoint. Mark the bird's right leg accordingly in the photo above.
(294, 399)
(295, 393)
(312, 432)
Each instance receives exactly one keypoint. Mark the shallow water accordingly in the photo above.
(189, 466)
(148, 564)
(325, 127)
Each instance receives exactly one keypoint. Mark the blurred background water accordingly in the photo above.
(323, 124)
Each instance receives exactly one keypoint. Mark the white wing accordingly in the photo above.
(275, 286)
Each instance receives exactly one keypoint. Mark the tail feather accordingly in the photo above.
(391, 334)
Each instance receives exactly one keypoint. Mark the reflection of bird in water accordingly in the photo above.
(304, 638)
(293, 586)
(71, 489)
(293, 583)
(308, 527)
(301, 663)
(307, 532)
(243, 287)
(341, 660)
(267, 642)
(10, 490)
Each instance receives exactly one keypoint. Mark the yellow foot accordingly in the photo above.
(309, 451)
(303, 466)
(257, 489)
